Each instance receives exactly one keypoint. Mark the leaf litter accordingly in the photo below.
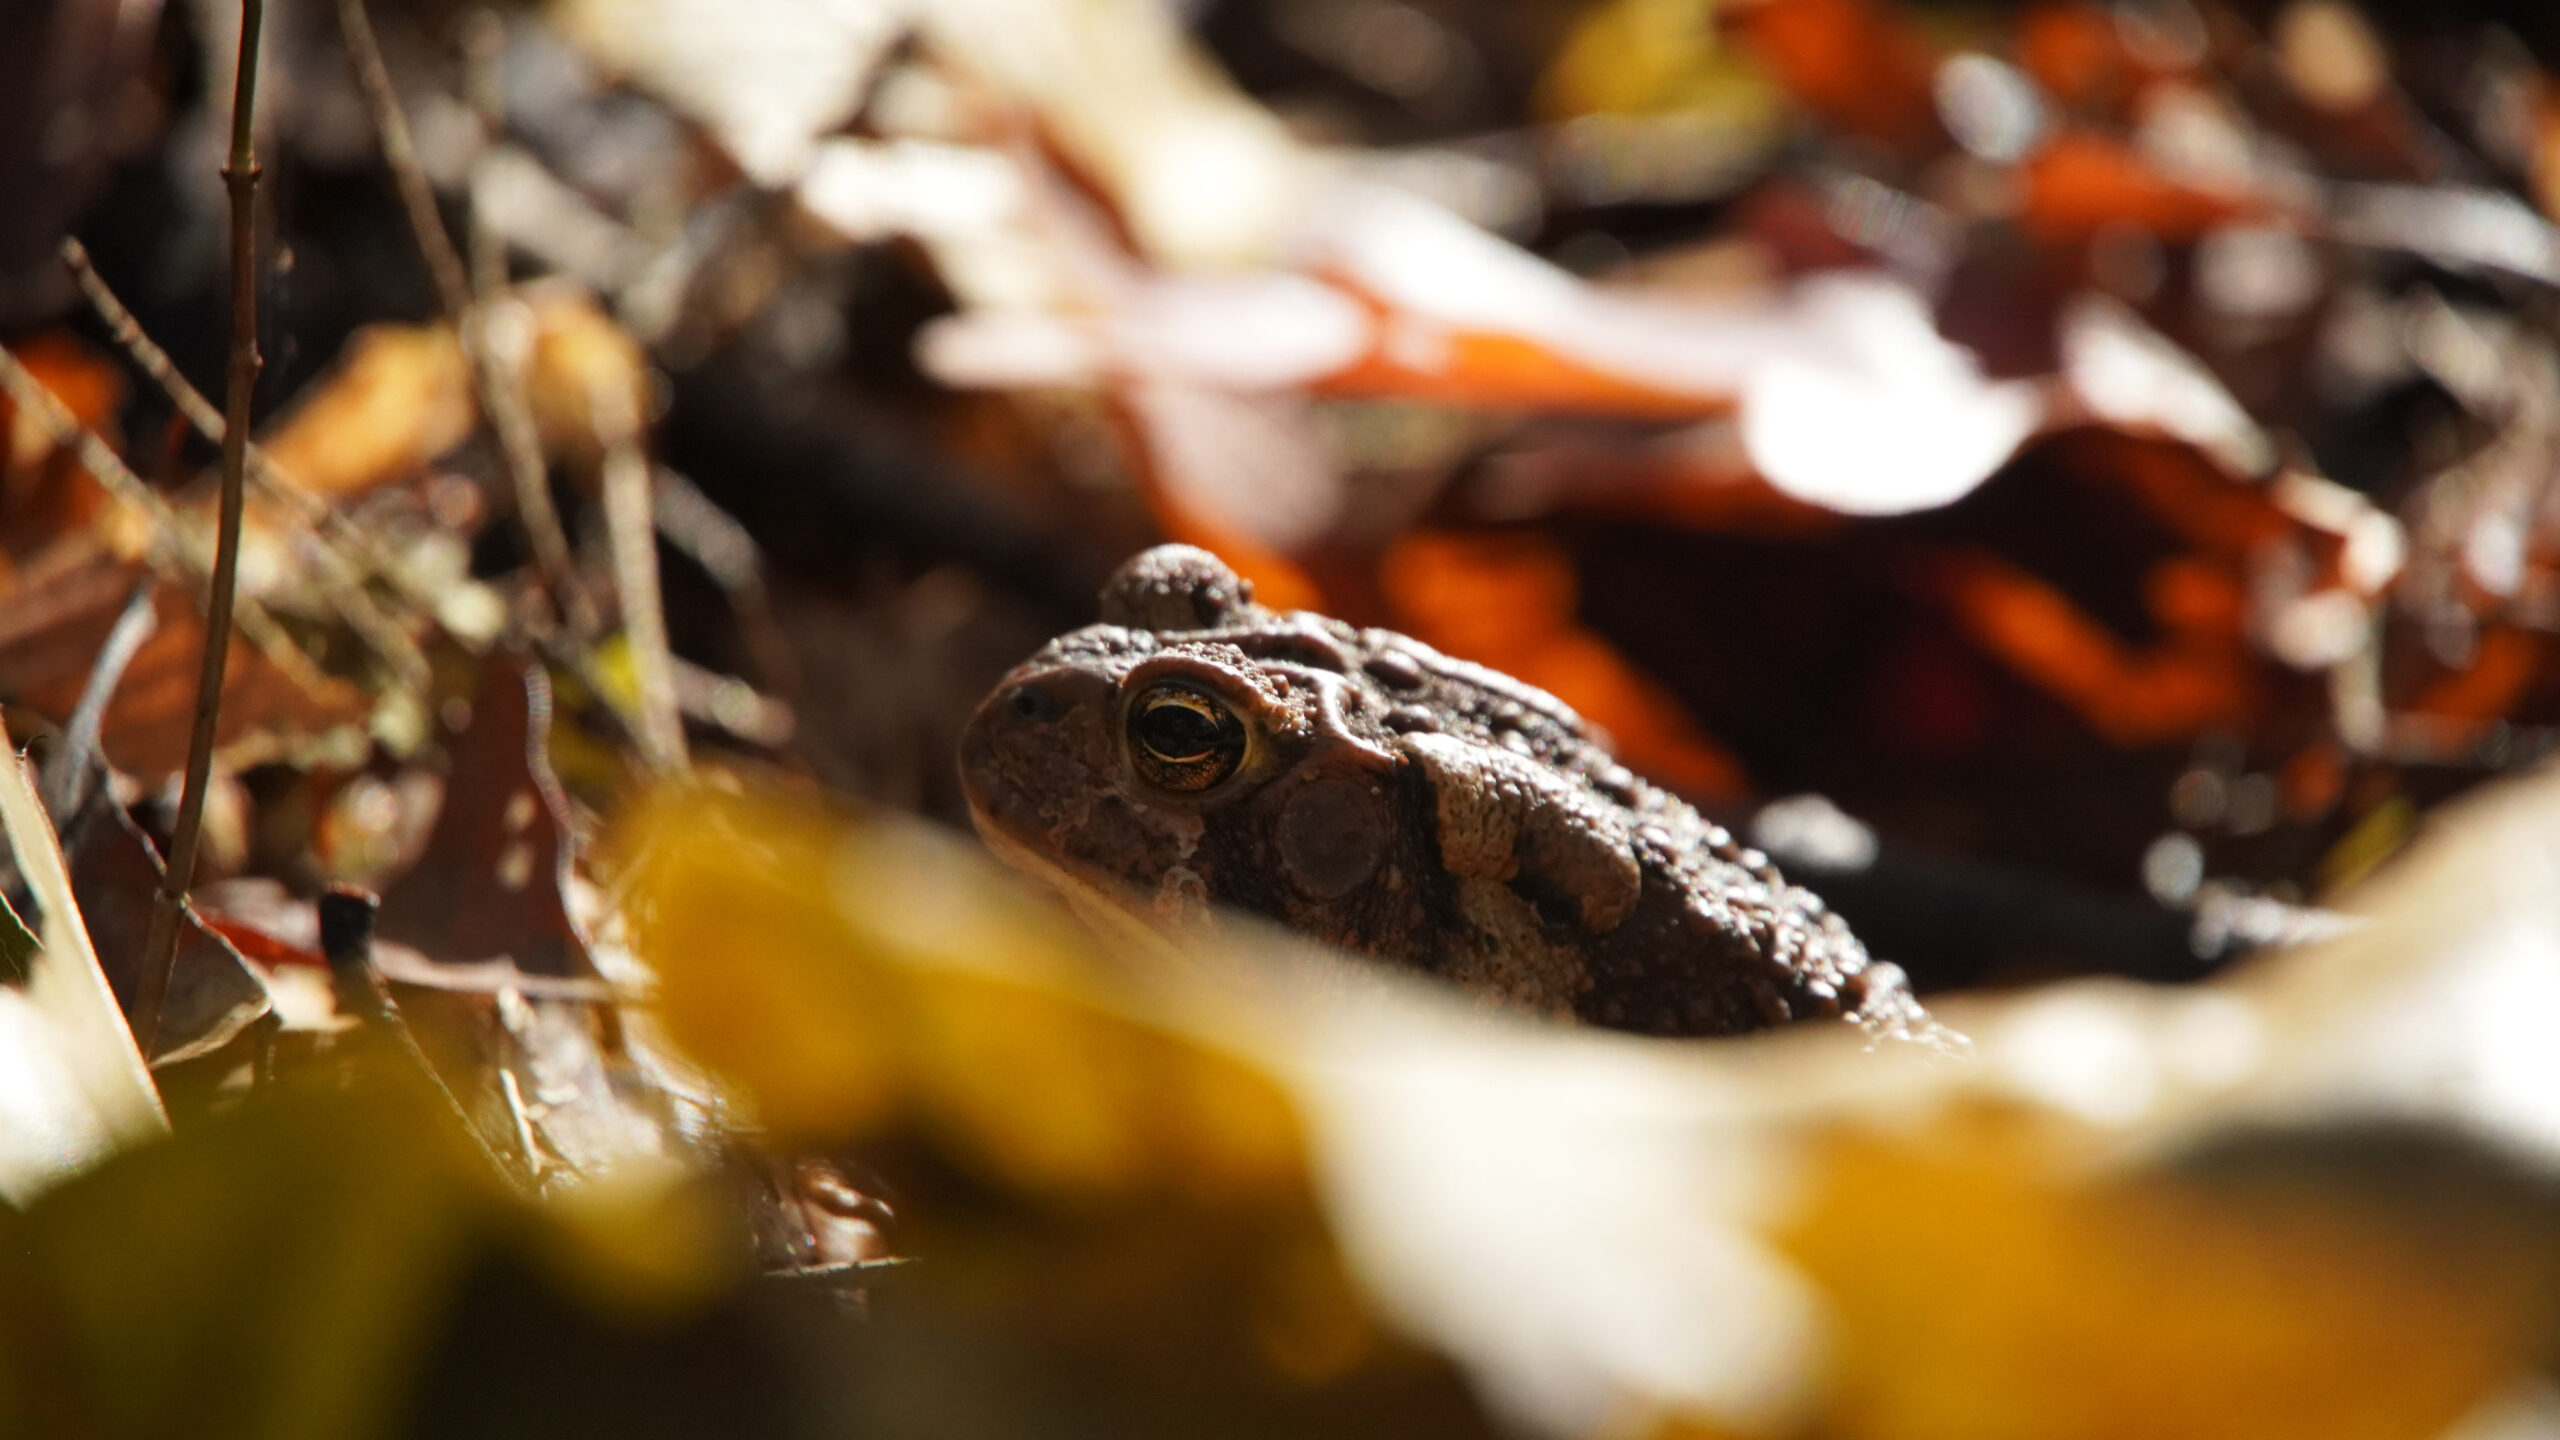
(2090, 458)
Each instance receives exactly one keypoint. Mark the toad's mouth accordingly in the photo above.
(1109, 910)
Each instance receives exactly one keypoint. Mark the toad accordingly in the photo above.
(1196, 750)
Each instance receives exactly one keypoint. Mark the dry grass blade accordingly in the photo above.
(69, 786)
(240, 177)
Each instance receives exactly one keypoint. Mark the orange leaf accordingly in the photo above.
(2181, 487)
(1278, 581)
(1508, 601)
(1498, 371)
(2195, 676)
(2074, 50)
(399, 399)
(44, 493)
(2082, 182)
(2502, 665)
(55, 618)
(1857, 65)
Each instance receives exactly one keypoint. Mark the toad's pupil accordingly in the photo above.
(1180, 728)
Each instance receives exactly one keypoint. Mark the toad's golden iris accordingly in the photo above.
(1183, 739)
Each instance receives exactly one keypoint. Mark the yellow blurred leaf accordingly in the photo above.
(852, 975)
(279, 1273)
(399, 399)
(1982, 1293)
(263, 1278)
(1650, 56)
(1135, 1219)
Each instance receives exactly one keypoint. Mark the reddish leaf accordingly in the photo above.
(2198, 674)
(58, 615)
(2076, 52)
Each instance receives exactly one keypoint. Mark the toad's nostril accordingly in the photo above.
(1033, 703)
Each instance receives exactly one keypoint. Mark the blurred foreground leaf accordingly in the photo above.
(1111, 1221)
(1593, 1223)
(856, 976)
(1981, 1295)
(279, 1273)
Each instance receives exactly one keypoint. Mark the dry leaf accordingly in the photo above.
(490, 882)
(54, 623)
(399, 399)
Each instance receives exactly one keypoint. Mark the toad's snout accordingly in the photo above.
(1038, 741)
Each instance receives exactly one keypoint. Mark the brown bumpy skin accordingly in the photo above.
(1418, 809)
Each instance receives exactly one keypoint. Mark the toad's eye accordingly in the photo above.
(1183, 739)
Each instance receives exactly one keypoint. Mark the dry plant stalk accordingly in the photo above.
(628, 504)
(496, 340)
(240, 177)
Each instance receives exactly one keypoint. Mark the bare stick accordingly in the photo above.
(240, 177)
(145, 351)
(495, 340)
(505, 353)
(347, 592)
(484, 40)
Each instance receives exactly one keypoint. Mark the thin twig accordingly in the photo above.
(498, 342)
(484, 40)
(400, 152)
(146, 352)
(333, 531)
(240, 177)
(634, 538)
